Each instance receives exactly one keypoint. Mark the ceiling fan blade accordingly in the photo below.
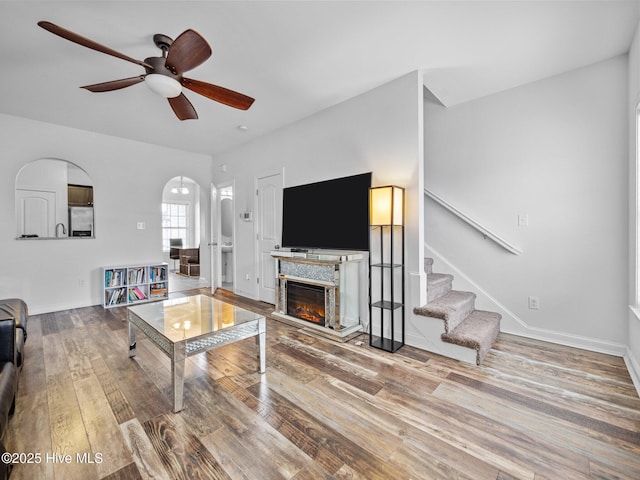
(182, 107)
(219, 94)
(187, 52)
(85, 42)
(114, 84)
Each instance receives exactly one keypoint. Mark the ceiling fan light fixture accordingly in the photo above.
(164, 86)
(182, 189)
(164, 74)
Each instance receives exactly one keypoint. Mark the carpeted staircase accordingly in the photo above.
(463, 324)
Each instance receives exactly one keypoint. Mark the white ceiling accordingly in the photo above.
(294, 58)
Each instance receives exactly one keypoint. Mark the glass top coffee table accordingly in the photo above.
(187, 326)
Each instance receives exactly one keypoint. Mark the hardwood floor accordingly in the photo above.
(322, 410)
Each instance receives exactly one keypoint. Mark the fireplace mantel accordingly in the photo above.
(338, 273)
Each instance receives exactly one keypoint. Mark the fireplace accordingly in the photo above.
(306, 302)
(319, 290)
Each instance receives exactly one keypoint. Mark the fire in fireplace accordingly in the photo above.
(306, 302)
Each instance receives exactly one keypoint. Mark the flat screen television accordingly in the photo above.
(332, 214)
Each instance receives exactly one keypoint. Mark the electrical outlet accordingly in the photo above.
(523, 220)
(80, 283)
(534, 303)
(140, 226)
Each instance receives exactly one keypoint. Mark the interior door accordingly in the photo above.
(36, 213)
(269, 225)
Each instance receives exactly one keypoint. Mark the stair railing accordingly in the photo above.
(486, 233)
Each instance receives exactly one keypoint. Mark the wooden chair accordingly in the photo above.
(190, 262)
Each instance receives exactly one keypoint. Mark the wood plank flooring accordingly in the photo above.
(322, 410)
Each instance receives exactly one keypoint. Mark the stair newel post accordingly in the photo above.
(387, 258)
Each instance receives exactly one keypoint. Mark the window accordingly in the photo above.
(175, 223)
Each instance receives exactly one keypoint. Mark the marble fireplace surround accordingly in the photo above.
(337, 273)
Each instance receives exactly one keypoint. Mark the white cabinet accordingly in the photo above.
(130, 284)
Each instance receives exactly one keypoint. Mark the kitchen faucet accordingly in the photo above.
(64, 229)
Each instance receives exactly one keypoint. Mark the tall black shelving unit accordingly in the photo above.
(387, 274)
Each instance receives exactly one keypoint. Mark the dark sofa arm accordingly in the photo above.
(7, 340)
(16, 309)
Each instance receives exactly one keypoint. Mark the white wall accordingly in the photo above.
(379, 131)
(554, 150)
(633, 352)
(128, 178)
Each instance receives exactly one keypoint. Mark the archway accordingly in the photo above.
(54, 200)
(181, 230)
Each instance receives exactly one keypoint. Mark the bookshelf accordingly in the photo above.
(130, 284)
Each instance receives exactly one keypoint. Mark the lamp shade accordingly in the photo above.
(386, 205)
(163, 85)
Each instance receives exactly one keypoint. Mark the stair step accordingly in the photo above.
(438, 284)
(452, 307)
(464, 326)
(478, 330)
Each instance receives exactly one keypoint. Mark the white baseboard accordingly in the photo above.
(569, 340)
(634, 369)
(58, 307)
(245, 293)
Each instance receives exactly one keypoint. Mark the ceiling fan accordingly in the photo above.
(164, 75)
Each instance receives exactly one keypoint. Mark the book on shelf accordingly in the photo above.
(135, 294)
(113, 278)
(136, 275)
(158, 274)
(157, 289)
(115, 297)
